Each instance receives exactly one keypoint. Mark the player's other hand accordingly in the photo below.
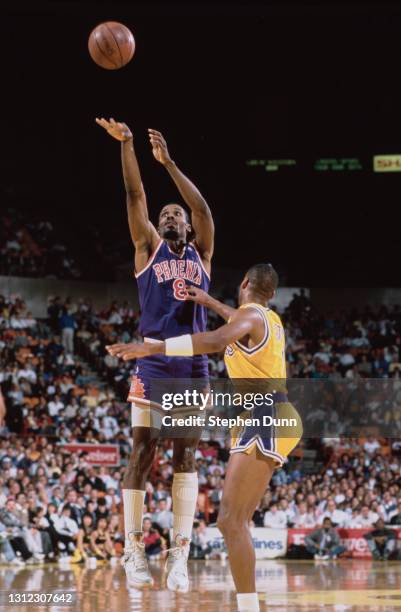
(194, 294)
(119, 131)
(159, 147)
(129, 351)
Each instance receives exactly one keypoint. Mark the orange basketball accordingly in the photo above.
(111, 45)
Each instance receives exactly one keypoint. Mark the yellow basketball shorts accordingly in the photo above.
(274, 431)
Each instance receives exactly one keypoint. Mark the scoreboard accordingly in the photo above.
(377, 163)
(341, 164)
(387, 163)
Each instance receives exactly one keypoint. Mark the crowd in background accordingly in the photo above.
(60, 386)
(31, 248)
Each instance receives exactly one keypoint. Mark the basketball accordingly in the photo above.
(111, 45)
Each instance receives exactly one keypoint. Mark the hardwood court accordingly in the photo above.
(283, 586)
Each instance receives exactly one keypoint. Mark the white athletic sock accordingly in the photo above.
(185, 494)
(133, 511)
(248, 602)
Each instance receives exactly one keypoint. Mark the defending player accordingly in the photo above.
(166, 260)
(255, 348)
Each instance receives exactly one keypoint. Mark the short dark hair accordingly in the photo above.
(263, 279)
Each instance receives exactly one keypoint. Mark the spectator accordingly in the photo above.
(67, 327)
(54, 407)
(304, 519)
(366, 518)
(199, 548)
(275, 518)
(38, 543)
(66, 530)
(396, 518)
(114, 529)
(337, 516)
(381, 541)
(102, 510)
(84, 549)
(324, 543)
(163, 519)
(101, 543)
(6, 550)
(371, 445)
(10, 518)
(151, 539)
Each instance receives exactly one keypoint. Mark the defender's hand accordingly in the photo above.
(119, 131)
(159, 147)
(130, 351)
(194, 294)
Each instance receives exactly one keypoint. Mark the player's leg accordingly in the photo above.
(136, 474)
(245, 483)
(145, 430)
(185, 494)
(185, 485)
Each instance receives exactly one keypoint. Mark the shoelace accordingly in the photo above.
(138, 553)
(179, 554)
(181, 546)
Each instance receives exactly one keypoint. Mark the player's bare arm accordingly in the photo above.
(245, 323)
(143, 233)
(202, 219)
(194, 294)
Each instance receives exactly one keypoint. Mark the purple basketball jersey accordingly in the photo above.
(161, 287)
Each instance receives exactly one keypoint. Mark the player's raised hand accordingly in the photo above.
(119, 131)
(159, 147)
(129, 351)
(194, 294)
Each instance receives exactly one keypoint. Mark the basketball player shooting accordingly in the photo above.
(254, 343)
(166, 260)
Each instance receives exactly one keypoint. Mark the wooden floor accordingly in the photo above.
(283, 586)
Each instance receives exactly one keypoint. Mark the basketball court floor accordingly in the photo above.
(283, 586)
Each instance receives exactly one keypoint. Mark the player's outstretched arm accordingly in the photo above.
(246, 322)
(194, 294)
(202, 219)
(143, 232)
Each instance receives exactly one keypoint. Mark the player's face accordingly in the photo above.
(173, 223)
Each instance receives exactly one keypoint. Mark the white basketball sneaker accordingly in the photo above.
(176, 568)
(136, 564)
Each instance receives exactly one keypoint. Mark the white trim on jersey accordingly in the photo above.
(200, 260)
(257, 441)
(150, 261)
(263, 342)
(176, 254)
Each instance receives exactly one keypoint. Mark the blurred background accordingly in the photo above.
(286, 115)
(275, 110)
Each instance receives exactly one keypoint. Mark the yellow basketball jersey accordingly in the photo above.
(266, 359)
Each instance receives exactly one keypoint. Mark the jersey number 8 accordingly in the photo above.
(179, 289)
